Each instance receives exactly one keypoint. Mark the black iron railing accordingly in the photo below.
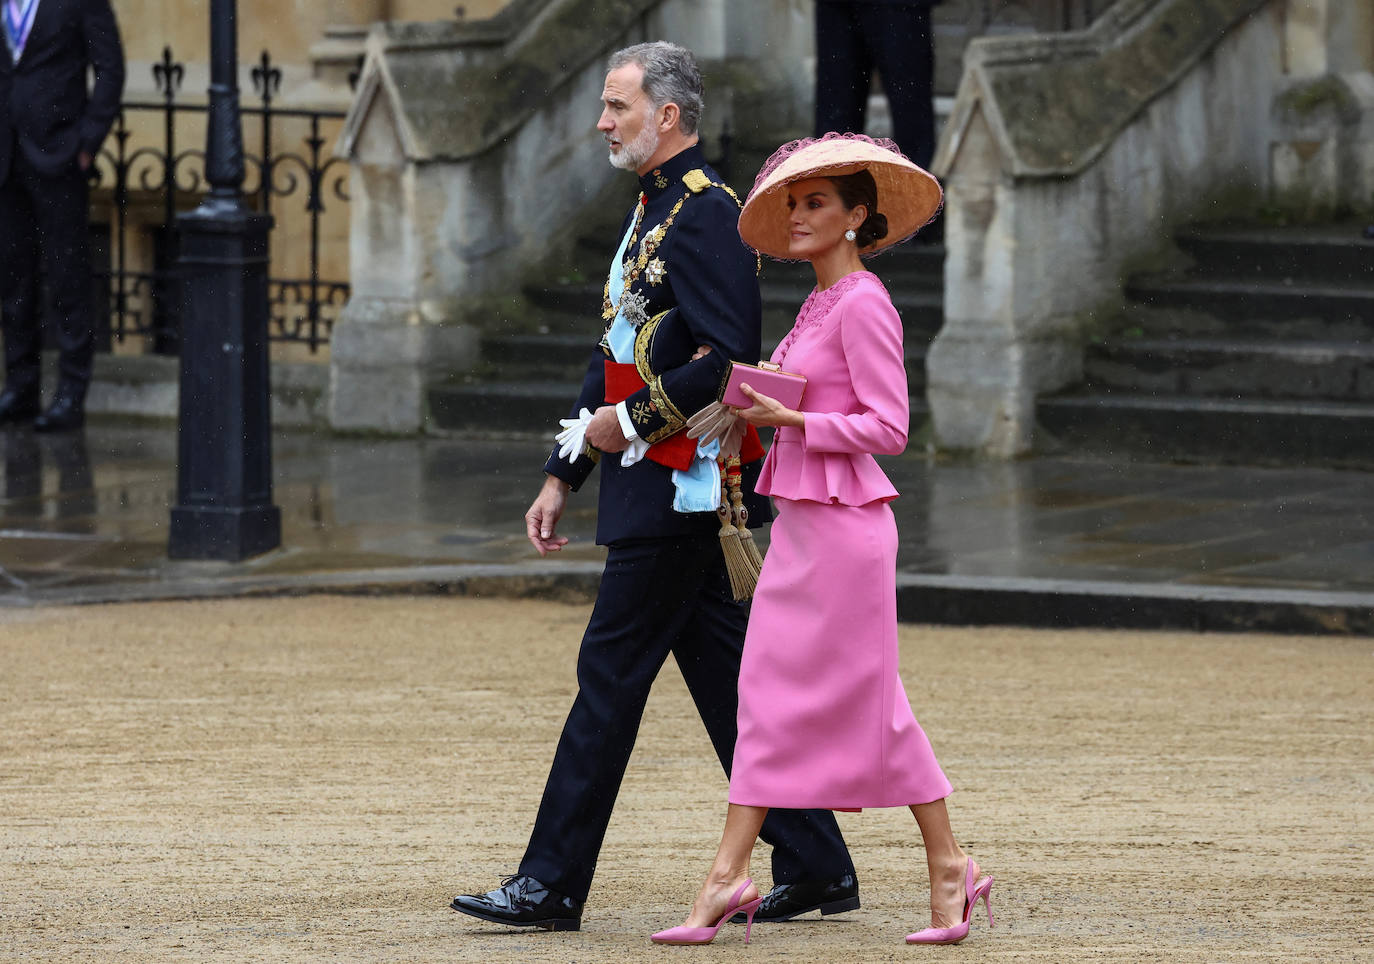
(143, 301)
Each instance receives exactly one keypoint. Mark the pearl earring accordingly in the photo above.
(850, 235)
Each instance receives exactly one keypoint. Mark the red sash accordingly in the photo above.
(676, 451)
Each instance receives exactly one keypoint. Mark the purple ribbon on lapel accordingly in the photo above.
(18, 23)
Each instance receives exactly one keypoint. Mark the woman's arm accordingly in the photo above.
(871, 333)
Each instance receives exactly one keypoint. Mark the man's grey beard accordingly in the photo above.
(636, 154)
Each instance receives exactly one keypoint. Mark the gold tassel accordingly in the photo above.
(746, 538)
(736, 562)
(742, 558)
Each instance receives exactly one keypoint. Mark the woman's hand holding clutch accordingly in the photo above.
(768, 411)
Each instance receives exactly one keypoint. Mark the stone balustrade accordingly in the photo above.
(1069, 159)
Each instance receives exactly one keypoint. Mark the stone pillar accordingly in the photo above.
(1050, 200)
(1002, 342)
(389, 340)
(1322, 161)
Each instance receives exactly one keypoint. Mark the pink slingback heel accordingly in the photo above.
(704, 935)
(973, 892)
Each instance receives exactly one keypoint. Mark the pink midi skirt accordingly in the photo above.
(824, 720)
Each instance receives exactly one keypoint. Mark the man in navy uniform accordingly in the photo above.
(50, 130)
(681, 279)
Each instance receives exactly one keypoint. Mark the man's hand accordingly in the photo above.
(604, 433)
(541, 521)
(84, 160)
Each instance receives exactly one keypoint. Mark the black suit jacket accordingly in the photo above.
(45, 108)
(709, 289)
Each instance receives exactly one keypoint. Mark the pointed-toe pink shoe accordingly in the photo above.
(973, 892)
(704, 935)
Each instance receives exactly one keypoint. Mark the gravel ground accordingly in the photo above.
(313, 779)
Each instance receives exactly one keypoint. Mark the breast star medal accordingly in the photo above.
(635, 308)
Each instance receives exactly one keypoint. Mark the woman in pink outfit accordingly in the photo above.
(824, 721)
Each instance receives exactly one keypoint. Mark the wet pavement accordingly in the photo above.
(1041, 541)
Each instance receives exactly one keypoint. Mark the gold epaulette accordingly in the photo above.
(696, 180)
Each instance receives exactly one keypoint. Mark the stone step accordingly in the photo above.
(1254, 431)
(907, 265)
(558, 357)
(501, 408)
(1319, 253)
(922, 310)
(1247, 300)
(562, 358)
(1234, 367)
(526, 408)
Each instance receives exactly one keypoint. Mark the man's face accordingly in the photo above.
(628, 119)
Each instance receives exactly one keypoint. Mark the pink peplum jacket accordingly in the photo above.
(848, 344)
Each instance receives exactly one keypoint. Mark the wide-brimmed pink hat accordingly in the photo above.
(908, 195)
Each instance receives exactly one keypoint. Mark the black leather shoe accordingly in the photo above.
(786, 901)
(522, 901)
(17, 406)
(65, 414)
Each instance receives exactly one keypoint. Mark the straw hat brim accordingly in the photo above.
(908, 195)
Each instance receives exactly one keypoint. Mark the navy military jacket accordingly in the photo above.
(706, 279)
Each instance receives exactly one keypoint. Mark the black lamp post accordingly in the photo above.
(224, 504)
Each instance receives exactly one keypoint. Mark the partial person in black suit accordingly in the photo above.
(856, 37)
(51, 127)
(686, 282)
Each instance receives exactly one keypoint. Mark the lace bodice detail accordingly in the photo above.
(817, 307)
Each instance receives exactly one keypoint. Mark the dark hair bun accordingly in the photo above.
(873, 229)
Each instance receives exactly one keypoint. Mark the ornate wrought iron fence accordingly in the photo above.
(143, 300)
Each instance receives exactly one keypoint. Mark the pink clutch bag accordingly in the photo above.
(766, 379)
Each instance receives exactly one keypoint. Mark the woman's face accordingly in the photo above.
(817, 218)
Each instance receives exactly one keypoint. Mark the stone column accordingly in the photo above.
(389, 340)
(1002, 342)
(1322, 161)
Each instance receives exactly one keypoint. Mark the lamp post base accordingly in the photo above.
(229, 535)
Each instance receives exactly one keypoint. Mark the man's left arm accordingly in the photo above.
(105, 54)
(715, 281)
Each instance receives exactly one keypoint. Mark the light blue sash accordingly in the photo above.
(697, 489)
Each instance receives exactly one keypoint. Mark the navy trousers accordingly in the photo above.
(43, 219)
(657, 597)
(854, 39)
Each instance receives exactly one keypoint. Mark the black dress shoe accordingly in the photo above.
(65, 414)
(786, 901)
(523, 902)
(17, 406)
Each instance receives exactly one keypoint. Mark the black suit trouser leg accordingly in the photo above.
(844, 69)
(899, 44)
(44, 220)
(656, 597)
(19, 287)
(854, 39)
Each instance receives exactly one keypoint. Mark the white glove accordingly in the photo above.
(716, 423)
(633, 452)
(573, 439)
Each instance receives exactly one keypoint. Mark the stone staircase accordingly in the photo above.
(1260, 351)
(526, 381)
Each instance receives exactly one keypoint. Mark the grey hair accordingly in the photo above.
(670, 75)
